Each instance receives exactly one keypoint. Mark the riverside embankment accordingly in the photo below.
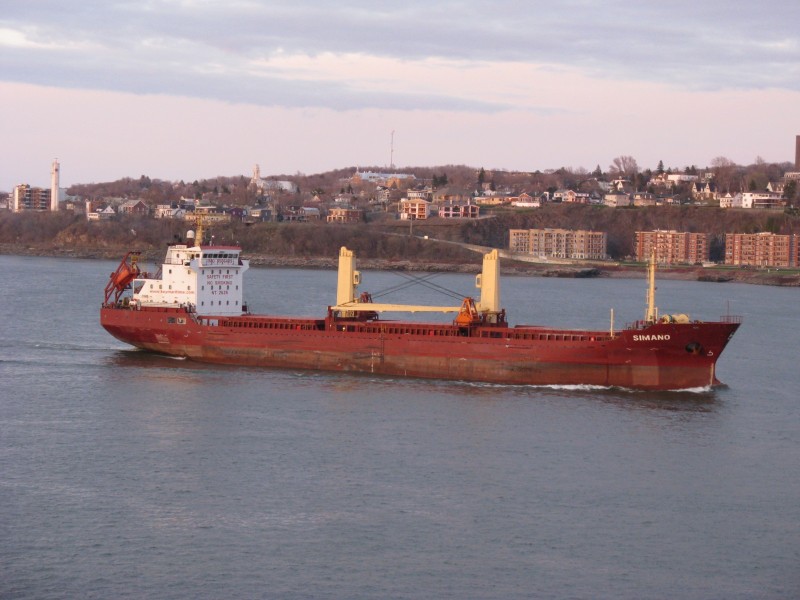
(717, 273)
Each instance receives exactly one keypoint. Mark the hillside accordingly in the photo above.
(48, 231)
(386, 242)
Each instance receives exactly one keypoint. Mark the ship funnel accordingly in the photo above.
(349, 278)
(488, 282)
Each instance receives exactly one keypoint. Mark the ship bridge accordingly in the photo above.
(207, 278)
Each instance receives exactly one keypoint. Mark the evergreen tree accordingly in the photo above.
(790, 191)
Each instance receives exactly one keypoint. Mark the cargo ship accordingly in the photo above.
(194, 307)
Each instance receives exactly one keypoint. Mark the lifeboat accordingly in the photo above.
(126, 272)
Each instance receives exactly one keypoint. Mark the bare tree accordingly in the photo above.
(724, 171)
(624, 167)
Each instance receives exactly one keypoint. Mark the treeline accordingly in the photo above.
(73, 234)
(390, 240)
(235, 191)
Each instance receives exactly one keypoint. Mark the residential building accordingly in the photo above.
(26, 197)
(345, 215)
(571, 196)
(660, 180)
(383, 195)
(762, 200)
(672, 247)
(423, 194)
(564, 196)
(495, 200)
(617, 199)
(301, 214)
(262, 213)
(794, 251)
(387, 179)
(644, 199)
(167, 211)
(449, 194)
(525, 200)
(264, 186)
(726, 200)
(209, 214)
(559, 243)
(676, 178)
(459, 209)
(703, 191)
(416, 209)
(104, 214)
(344, 200)
(761, 250)
(776, 187)
(134, 207)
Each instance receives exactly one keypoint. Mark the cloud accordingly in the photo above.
(184, 89)
(408, 56)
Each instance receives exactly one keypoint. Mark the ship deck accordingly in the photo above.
(376, 327)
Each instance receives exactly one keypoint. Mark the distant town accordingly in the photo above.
(427, 196)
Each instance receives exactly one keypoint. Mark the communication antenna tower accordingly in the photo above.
(391, 151)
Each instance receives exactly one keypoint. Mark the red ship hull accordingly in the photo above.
(658, 356)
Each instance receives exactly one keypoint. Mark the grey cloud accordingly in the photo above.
(696, 45)
(263, 91)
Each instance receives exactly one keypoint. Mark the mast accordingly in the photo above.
(198, 227)
(651, 315)
(348, 279)
(488, 282)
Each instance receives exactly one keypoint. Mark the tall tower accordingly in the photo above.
(797, 153)
(54, 172)
(391, 152)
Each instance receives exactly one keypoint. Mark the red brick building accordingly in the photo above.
(672, 247)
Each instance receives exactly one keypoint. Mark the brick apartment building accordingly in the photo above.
(27, 198)
(345, 215)
(762, 249)
(559, 243)
(672, 247)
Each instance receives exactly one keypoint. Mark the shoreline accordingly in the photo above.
(510, 267)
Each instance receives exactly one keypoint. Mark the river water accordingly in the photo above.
(128, 475)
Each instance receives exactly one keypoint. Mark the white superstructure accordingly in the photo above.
(207, 278)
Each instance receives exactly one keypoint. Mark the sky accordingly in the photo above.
(192, 89)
